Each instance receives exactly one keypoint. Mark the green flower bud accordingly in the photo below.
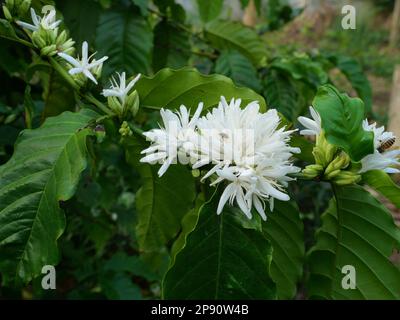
(132, 103)
(62, 37)
(37, 40)
(49, 50)
(340, 162)
(346, 178)
(115, 105)
(326, 151)
(7, 13)
(312, 171)
(331, 174)
(196, 173)
(125, 130)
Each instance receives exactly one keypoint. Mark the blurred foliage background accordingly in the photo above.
(289, 49)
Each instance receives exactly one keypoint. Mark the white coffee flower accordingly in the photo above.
(47, 22)
(379, 160)
(84, 65)
(247, 150)
(313, 126)
(386, 160)
(119, 88)
(176, 139)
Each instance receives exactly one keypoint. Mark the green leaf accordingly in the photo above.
(162, 202)
(306, 147)
(232, 35)
(209, 9)
(280, 93)
(302, 68)
(7, 31)
(383, 183)
(171, 88)
(57, 95)
(127, 40)
(81, 18)
(221, 260)
(234, 65)
(284, 229)
(171, 46)
(43, 171)
(342, 119)
(142, 4)
(357, 231)
(120, 287)
(355, 74)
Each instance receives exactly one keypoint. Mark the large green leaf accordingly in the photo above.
(43, 171)
(284, 229)
(209, 9)
(81, 18)
(171, 46)
(232, 35)
(354, 73)
(383, 183)
(357, 231)
(342, 119)
(161, 203)
(127, 40)
(234, 65)
(221, 260)
(171, 88)
(280, 92)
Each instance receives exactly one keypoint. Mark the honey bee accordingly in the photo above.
(386, 144)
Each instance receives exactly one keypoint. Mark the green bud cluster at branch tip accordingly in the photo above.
(14, 9)
(125, 130)
(45, 36)
(331, 164)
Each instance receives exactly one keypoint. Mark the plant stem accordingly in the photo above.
(89, 97)
(64, 74)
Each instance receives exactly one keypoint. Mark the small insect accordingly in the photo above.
(386, 144)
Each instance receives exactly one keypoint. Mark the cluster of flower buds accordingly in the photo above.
(125, 130)
(14, 9)
(331, 164)
(45, 35)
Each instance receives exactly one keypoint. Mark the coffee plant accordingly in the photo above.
(148, 154)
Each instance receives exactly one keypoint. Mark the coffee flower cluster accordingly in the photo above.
(243, 149)
(386, 160)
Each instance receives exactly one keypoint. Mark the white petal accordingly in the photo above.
(259, 207)
(85, 50)
(132, 83)
(27, 26)
(89, 75)
(70, 59)
(164, 167)
(225, 196)
(97, 62)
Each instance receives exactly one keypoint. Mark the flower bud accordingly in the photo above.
(7, 13)
(132, 103)
(115, 105)
(125, 130)
(346, 178)
(196, 173)
(312, 171)
(38, 40)
(49, 50)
